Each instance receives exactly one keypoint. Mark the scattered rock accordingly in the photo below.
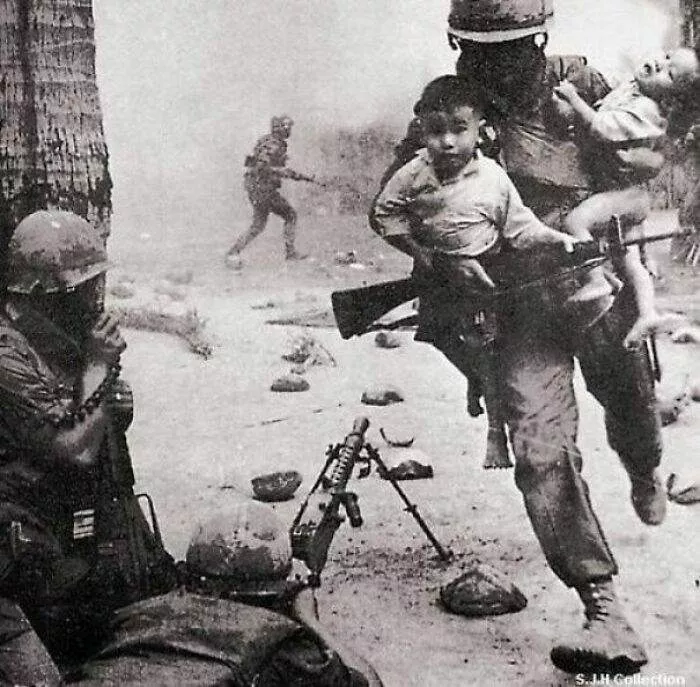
(298, 369)
(670, 409)
(481, 590)
(382, 397)
(180, 277)
(121, 291)
(264, 306)
(296, 356)
(396, 443)
(276, 486)
(306, 350)
(410, 469)
(694, 390)
(387, 340)
(345, 258)
(686, 335)
(683, 495)
(166, 289)
(290, 382)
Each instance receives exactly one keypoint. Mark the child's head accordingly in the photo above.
(450, 112)
(672, 75)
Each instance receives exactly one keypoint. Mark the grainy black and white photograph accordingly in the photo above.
(349, 343)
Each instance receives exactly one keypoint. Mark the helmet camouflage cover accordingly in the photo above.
(54, 250)
(494, 21)
(247, 546)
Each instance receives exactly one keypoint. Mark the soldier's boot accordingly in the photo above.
(607, 645)
(648, 497)
(233, 260)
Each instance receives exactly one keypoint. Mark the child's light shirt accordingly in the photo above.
(625, 115)
(467, 215)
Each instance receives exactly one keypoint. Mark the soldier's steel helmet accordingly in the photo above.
(54, 250)
(281, 121)
(495, 21)
(247, 546)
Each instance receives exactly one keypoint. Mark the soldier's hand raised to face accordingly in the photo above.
(106, 342)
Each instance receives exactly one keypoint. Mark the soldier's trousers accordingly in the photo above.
(537, 367)
(263, 205)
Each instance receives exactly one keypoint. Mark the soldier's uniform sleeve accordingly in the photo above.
(391, 212)
(591, 85)
(33, 400)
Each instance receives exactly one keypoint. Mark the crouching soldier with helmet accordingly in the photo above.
(74, 543)
(237, 621)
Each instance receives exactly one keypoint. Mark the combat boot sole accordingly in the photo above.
(580, 660)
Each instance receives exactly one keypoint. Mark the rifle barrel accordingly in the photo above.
(642, 237)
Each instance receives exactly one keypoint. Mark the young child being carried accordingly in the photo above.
(620, 135)
(453, 209)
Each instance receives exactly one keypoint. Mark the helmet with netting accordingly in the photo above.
(495, 21)
(246, 547)
(55, 251)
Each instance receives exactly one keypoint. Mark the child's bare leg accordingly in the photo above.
(592, 217)
(496, 441)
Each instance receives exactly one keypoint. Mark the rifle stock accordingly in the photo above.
(356, 309)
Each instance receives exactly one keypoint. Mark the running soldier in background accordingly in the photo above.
(265, 169)
(74, 543)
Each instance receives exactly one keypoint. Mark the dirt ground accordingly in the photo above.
(204, 428)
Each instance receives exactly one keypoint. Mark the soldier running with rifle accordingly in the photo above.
(501, 46)
(265, 169)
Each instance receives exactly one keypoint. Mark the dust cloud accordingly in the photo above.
(188, 85)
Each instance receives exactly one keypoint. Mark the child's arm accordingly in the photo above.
(648, 319)
(638, 119)
(521, 228)
(391, 218)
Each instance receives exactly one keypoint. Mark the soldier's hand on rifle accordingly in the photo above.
(106, 343)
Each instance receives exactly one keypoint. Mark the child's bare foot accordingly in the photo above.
(474, 407)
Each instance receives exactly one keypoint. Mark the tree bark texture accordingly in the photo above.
(690, 21)
(52, 149)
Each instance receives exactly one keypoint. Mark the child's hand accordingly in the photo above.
(650, 324)
(566, 241)
(566, 91)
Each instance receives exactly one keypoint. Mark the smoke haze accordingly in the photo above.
(188, 85)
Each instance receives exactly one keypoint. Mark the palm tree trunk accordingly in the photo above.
(52, 148)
